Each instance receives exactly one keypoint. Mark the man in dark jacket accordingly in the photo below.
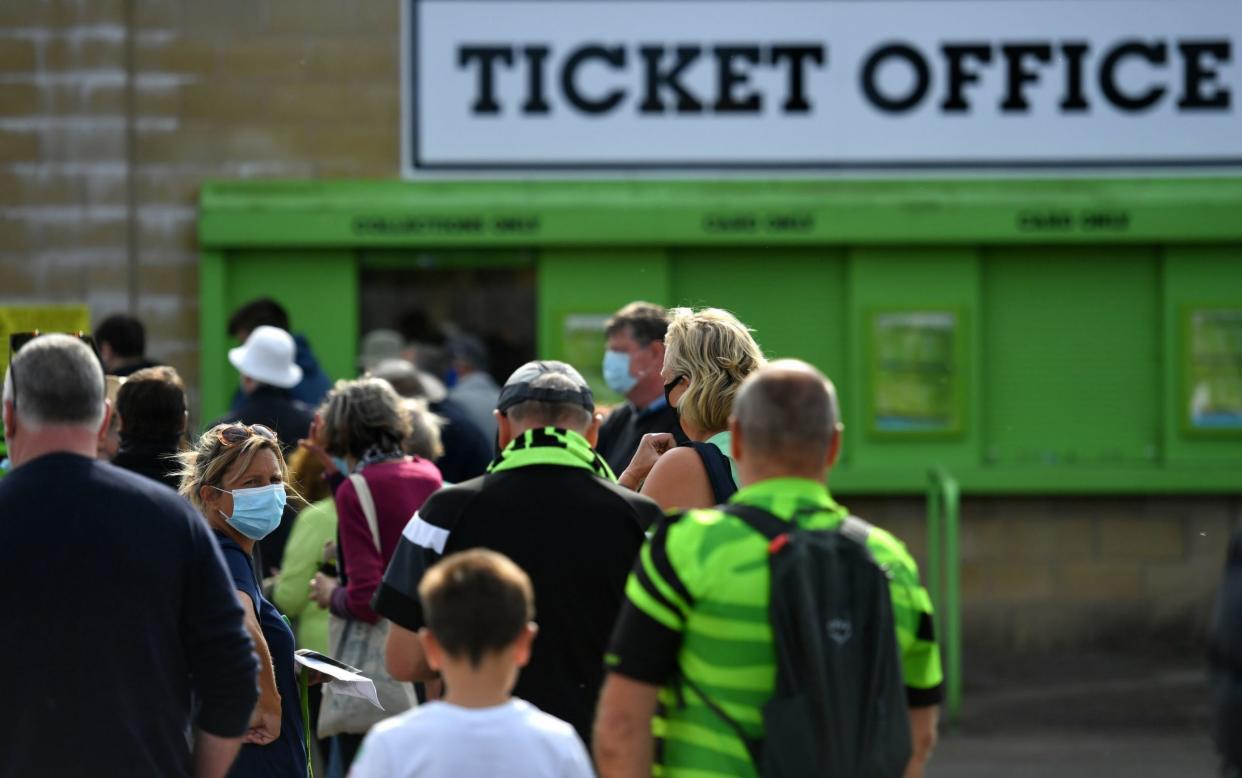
(1225, 652)
(550, 503)
(152, 410)
(127, 649)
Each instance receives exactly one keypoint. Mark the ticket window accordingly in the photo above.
(427, 295)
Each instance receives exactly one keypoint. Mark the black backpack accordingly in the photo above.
(839, 706)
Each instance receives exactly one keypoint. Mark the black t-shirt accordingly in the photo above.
(576, 536)
(286, 756)
(119, 607)
(621, 432)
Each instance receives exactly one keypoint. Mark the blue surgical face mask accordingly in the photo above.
(341, 465)
(617, 372)
(257, 511)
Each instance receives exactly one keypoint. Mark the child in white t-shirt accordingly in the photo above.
(478, 607)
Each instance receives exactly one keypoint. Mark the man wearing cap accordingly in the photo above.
(269, 372)
(550, 503)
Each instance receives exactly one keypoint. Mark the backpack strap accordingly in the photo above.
(759, 520)
(719, 474)
(856, 529)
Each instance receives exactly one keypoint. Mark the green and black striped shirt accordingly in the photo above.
(697, 603)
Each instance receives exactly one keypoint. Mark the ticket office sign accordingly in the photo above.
(530, 85)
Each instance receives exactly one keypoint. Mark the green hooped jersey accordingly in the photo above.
(697, 604)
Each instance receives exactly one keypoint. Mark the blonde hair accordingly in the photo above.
(715, 352)
(209, 460)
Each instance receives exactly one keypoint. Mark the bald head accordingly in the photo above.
(787, 417)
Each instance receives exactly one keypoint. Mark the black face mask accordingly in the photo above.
(679, 434)
(668, 389)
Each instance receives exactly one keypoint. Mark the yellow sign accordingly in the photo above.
(45, 318)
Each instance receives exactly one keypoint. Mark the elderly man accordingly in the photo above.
(126, 612)
(632, 366)
(691, 615)
(550, 504)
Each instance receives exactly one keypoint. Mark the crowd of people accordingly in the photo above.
(535, 587)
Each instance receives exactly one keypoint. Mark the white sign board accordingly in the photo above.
(592, 85)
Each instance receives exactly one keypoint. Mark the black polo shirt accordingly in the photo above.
(575, 534)
(624, 428)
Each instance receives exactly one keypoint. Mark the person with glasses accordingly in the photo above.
(126, 636)
(235, 476)
(707, 355)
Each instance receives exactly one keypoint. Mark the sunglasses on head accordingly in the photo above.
(232, 434)
(19, 339)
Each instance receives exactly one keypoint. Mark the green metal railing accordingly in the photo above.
(944, 579)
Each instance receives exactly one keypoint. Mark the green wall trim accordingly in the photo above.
(360, 214)
(1051, 481)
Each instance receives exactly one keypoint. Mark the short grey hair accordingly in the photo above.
(364, 414)
(787, 412)
(541, 413)
(59, 382)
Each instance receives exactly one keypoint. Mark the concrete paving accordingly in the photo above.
(1081, 717)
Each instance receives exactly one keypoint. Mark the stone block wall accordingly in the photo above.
(1042, 574)
(113, 113)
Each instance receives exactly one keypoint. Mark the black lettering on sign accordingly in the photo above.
(1105, 221)
(516, 225)
(960, 76)
(731, 77)
(486, 56)
(797, 55)
(913, 60)
(536, 102)
(417, 225)
(657, 80)
(730, 223)
(1045, 221)
(791, 222)
(613, 56)
(1018, 75)
(1073, 99)
(1198, 75)
(1155, 54)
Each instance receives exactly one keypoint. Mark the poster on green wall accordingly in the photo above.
(1214, 369)
(915, 369)
(583, 347)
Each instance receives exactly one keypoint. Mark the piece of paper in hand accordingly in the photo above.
(346, 680)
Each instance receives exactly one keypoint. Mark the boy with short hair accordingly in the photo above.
(479, 607)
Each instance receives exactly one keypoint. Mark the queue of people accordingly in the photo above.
(593, 592)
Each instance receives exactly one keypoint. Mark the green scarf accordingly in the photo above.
(551, 446)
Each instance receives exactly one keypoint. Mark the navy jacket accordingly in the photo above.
(121, 610)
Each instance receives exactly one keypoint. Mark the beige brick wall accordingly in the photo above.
(221, 89)
(1048, 573)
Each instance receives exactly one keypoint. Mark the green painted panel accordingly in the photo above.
(592, 283)
(719, 213)
(319, 289)
(793, 299)
(1070, 343)
(916, 279)
(1195, 277)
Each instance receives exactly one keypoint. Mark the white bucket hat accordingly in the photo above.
(267, 356)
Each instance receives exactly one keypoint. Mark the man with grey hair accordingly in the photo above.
(550, 503)
(786, 436)
(126, 611)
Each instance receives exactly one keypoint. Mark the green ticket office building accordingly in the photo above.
(1070, 352)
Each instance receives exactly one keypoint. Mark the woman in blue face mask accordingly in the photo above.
(235, 475)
